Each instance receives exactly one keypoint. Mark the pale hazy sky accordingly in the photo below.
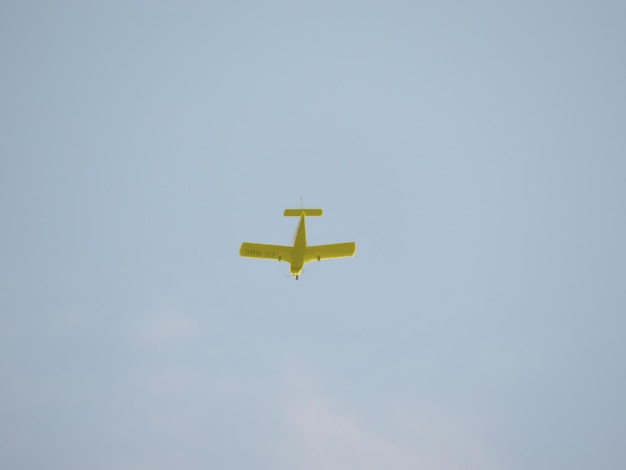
(476, 153)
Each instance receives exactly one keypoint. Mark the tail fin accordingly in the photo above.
(299, 212)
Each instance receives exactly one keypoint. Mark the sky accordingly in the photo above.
(474, 151)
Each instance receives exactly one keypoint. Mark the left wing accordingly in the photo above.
(336, 250)
(257, 250)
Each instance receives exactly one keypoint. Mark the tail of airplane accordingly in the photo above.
(306, 212)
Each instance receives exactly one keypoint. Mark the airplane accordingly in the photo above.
(300, 253)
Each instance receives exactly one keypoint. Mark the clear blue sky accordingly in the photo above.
(476, 153)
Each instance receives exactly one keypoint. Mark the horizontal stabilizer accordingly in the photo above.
(299, 212)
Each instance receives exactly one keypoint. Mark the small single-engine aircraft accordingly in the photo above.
(298, 254)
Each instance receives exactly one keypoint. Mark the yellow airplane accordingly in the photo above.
(298, 254)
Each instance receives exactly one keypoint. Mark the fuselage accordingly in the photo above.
(299, 249)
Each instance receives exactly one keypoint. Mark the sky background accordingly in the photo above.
(476, 153)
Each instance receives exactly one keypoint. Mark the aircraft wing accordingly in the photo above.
(336, 250)
(257, 250)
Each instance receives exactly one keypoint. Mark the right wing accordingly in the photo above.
(257, 250)
(336, 250)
